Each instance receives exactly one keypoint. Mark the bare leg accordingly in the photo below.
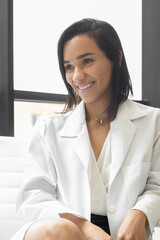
(49, 229)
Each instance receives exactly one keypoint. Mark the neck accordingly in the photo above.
(96, 111)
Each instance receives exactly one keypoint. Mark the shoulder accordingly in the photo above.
(144, 109)
(139, 114)
(52, 123)
(148, 117)
(68, 121)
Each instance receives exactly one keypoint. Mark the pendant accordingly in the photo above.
(101, 121)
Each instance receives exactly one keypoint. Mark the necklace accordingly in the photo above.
(102, 121)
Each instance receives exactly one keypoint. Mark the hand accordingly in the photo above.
(88, 229)
(133, 226)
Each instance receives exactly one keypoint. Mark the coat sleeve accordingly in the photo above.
(149, 201)
(38, 195)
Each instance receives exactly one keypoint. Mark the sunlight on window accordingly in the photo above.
(26, 114)
(38, 25)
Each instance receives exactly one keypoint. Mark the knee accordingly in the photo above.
(64, 230)
(61, 229)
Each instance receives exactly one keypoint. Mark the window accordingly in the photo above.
(37, 27)
(26, 114)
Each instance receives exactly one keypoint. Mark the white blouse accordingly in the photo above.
(100, 171)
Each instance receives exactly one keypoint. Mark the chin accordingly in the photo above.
(88, 101)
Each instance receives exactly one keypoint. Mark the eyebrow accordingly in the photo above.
(81, 56)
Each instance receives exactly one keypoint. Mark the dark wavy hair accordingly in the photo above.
(108, 41)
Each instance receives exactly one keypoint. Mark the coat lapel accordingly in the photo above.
(75, 127)
(122, 133)
(82, 147)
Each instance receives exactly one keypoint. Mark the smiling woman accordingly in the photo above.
(78, 178)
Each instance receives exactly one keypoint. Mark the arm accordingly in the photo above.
(146, 212)
(38, 195)
(149, 201)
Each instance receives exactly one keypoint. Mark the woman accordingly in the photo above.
(93, 172)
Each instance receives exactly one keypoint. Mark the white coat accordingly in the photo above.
(57, 176)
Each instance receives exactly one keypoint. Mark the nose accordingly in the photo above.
(78, 75)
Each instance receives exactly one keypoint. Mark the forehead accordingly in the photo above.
(79, 45)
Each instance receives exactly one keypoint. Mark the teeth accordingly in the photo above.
(85, 87)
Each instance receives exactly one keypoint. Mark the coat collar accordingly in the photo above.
(74, 122)
(75, 127)
(122, 133)
(130, 110)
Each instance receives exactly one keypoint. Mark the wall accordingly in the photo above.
(151, 51)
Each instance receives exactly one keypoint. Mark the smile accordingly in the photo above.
(84, 87)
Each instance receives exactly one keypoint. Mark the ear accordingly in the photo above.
(120, 57)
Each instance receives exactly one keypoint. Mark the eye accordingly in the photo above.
(68, 67)
(87, 61)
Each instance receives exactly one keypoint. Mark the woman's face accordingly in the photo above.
(88, 70)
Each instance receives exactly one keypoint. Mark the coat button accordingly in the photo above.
(111, 208)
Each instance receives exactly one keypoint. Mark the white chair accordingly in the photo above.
(12, 160)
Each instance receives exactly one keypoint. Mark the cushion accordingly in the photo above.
(12, 161)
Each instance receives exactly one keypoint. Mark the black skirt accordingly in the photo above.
(101, 221)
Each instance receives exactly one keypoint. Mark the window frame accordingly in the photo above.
(7, 93)
(39, 97)
(6, 68)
